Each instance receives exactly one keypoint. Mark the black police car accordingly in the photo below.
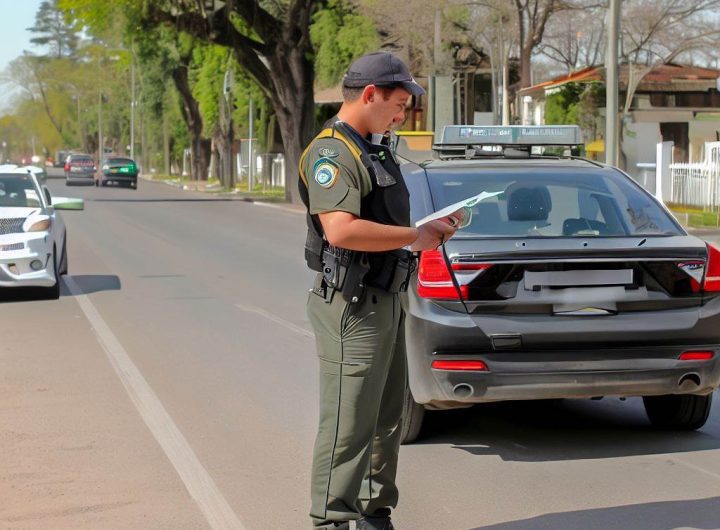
(571, 282)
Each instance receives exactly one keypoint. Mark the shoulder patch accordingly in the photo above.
(328, 152)
(325, 172)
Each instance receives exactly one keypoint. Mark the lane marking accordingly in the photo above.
(289, 325)
(696, 468)
(195, 477)
(278, 207)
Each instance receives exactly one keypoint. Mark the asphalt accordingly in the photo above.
(201, 298)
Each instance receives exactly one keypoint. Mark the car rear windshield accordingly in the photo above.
(121, 161)
(75, 159)
(18, 191)
(552, 202)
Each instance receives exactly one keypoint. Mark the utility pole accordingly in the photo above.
(100, 137)
(251, 132)
(132, 107)
(612, 86)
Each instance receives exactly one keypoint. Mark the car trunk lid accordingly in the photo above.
(576, 277)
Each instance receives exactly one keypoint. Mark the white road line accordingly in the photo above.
(276, 319)
(197, 480)
(696, 468)
(277, 207)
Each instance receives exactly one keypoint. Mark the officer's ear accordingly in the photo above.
(369, 94)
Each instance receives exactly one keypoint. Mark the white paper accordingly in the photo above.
(465, 206)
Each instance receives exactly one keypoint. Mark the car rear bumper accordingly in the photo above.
(15, 270)
(120, 177)
(560, 357)
(80, 178)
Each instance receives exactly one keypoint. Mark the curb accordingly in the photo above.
(231, 194)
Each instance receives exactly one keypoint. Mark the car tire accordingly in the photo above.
(63, 268)
(678, 412)
(53, 293)
(412, 420)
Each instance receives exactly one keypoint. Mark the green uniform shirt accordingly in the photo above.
(336, 179)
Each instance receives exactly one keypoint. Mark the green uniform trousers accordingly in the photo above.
(361, 350)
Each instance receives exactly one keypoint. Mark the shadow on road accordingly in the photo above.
(88, 283)
(199, 199)
(93, 283)
(702, 514)
(557, 431)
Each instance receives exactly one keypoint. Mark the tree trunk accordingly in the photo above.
(525, 65)
(294, 104)
(199, 147)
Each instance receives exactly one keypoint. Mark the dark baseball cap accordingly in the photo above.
(381, 69)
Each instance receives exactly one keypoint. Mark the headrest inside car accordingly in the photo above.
(529, 204)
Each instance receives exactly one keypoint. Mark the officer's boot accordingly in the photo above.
(370, 522)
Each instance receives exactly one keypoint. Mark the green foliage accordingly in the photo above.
(207, 77)
(339, 35)
(575, 104)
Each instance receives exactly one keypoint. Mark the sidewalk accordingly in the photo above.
(217, 190)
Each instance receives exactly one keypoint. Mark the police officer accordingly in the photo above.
(359, 241)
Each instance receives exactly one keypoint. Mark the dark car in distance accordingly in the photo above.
(79, 169)
(571, 281)
(118, 170)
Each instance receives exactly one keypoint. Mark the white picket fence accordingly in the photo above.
(698, 184)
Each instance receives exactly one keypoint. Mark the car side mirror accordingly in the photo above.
(48, 196)
(69, 203)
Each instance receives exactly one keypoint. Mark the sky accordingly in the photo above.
(17, 16)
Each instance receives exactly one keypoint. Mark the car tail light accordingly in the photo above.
(712, 271)
(435, 282)
(697, 356)
(474, 366)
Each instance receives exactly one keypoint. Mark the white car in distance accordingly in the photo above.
(33, 244)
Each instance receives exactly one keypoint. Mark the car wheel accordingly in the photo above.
(63, 269)
(412, 420)
(681, 412)
(53, 293)
(133, 185)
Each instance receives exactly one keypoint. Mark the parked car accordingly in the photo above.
(117, 169)
(33, 238)
(571, 281)
(60, 157)
(79, 169)
(38, 171)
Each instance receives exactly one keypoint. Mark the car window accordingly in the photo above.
(119, 161)
(552, 203)
(18, 192)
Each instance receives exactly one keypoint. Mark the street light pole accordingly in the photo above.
(612, 87)
(132, 107)
(251, 132)
(100, 137)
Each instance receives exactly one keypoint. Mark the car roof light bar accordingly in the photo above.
(510, 135)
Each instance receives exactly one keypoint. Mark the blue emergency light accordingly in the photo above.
(511, 135)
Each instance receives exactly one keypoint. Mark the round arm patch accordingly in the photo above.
(325, 172)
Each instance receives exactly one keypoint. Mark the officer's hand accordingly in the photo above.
(432, 234)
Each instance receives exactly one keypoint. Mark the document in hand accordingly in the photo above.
(460, 212)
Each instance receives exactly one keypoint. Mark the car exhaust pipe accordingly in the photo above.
(463, 390)
(689, 381)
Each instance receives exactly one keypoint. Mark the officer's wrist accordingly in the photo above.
(415, 233)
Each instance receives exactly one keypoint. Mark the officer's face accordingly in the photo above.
(386, 108)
